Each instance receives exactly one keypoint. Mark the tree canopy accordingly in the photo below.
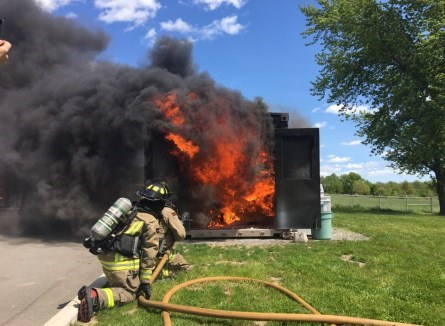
(353, 184)
(389, 57)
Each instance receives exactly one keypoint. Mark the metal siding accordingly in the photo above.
(297, 178)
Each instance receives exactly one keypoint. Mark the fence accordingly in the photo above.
(415, 204)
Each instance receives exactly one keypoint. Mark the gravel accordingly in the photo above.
(343, 234)
(337, 235)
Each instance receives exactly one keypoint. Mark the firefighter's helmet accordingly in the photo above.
(155, 192)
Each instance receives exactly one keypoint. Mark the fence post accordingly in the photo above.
(406, 198)
(380, 202)
(431, 202)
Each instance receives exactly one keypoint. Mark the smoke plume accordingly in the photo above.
(73, 129)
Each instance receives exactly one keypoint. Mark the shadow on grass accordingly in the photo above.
(196, 320)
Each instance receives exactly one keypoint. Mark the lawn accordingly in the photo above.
(403, 204)
(400, 278)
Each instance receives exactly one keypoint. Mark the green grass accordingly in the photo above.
(403, 278)
(403, 204)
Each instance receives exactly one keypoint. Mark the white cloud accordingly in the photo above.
(71, 15)
(338, 159)
(352, 143)
(52, 5)
(315, 110)
(326, 170)
(179, 26)
(355, 166)
(340, 169)
(136, 12)
(334, 108)
(383, 171)
(215, 4)
(320, 124)
(150, 36)
(324, 173)
(360, 109)
(372, 170)
(151, 33)
(228, 25)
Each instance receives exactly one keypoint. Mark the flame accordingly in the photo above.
(259, 194)
(222, 157)
(183, 145)
(170, 109)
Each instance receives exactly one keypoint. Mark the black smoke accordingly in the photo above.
(73, 129)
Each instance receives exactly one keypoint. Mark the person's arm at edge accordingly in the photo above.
(5, 46)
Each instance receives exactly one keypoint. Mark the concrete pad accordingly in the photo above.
(68, 315)
(39, 278)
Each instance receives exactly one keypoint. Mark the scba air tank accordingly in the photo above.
(114, 215)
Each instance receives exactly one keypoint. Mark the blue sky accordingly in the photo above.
(252, 46)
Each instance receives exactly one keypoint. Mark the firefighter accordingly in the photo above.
(158, 226)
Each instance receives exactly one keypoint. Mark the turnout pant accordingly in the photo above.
(122, 288)
(123, 284)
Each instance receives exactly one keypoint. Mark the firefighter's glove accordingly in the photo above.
(164, 251)
(145, 290)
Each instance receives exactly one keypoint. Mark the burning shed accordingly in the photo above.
(240, 173)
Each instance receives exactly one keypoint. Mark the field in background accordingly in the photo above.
(402, 204)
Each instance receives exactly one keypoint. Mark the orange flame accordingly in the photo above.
(183, 145)
(170, 109)
(224, 165)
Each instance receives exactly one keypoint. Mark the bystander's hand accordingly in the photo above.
(5, 46)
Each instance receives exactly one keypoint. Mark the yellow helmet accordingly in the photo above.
(155, 192)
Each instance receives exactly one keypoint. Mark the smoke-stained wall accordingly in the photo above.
(72, 129)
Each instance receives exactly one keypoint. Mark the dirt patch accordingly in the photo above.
(350, 259)
(233, 263)
(342, 234)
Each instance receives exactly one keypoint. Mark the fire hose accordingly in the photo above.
(315, 317)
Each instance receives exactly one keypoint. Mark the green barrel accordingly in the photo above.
(325, 230)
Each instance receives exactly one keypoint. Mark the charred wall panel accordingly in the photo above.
(297, 178)
(280, 120)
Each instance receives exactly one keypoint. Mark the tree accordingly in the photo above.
(408, 188)
(387, 56)
(332, 184)
(421, 189)
(361, 187)
(348, 181)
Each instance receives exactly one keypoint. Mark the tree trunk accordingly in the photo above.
(440, 188)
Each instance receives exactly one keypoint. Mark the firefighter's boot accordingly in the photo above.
(88, 304)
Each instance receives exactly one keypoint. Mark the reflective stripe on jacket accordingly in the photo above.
(144, 225)
(116, 262)
(134, 228)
